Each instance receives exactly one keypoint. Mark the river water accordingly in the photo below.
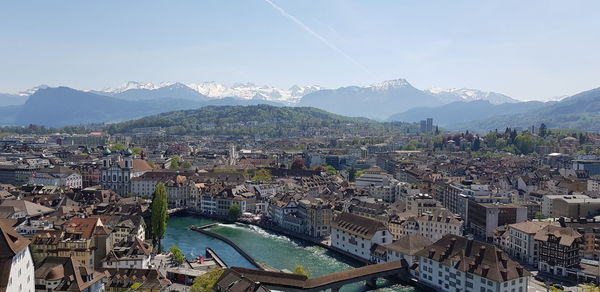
(275, 250)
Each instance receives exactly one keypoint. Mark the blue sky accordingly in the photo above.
(525, 49)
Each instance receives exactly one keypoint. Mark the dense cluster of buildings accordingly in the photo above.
(74, 213)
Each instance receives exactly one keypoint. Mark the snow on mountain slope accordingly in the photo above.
(136, 85)
(466, 94)
(252, 91)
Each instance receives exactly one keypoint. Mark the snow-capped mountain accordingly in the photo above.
(388, 84)
(136, 85)
(466, 94)
(252, 91)
(31, 91)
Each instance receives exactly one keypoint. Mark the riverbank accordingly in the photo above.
(267, 246)
(274, 228)
(248, 257)
(312, 240)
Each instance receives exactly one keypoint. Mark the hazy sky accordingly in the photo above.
(525, 49)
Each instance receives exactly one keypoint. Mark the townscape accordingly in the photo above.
(299, 146)
(433, 211)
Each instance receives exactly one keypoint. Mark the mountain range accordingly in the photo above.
(393, 100)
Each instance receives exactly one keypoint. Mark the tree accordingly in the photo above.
(262, 175)
(539, 215)
(205, 283)
(330, 169)
(500, 143)
(117, 147)
(234, 211)
(300, 270)
(298, 164)
(137, 150)
(177, 254)
(358, 173)
(175, 162)
(160, 214)
(543, 130)
(351, 174)
(186, 164)
(524, 143)
(476, 144)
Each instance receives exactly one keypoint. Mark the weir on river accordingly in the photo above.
(275, 250)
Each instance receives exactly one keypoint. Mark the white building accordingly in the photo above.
(374, 177)
(58, 176)
(455, 263)
(15, 258)
(135, 226)
(518, 240)
(182, 192)
(356, 234)
(117, 175)
(129, 253)
(403, 249)
(435, 225)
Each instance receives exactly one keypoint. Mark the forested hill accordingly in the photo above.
(263, 120)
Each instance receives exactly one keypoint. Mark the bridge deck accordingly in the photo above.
(299, 282)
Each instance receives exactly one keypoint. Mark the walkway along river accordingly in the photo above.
(275, 250)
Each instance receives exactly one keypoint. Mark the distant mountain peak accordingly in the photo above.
(33, 90)
(394, 83)
(136, 85)
(467, 94)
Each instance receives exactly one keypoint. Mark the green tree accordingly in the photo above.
(543, 130)
(160, 214)
(205, 283)
(177, 254)
(175, 162)
(262, 175)
(137, 150)
(117, 147)
(234, 211)
(411, 146)
(358, 173)
(539, 215)
(300, 270)
(330, 169)
(501, 144)
(186, 164)
(351, 174)
(524, 143)
(476, 144)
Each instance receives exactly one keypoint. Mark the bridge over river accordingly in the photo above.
(334, 281)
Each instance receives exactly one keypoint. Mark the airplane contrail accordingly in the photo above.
(315, 34)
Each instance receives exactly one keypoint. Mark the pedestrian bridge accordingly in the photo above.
(291, 282)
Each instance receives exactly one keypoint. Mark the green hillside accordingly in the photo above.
(264, 120)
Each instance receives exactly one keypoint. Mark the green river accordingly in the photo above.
(273, 249)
